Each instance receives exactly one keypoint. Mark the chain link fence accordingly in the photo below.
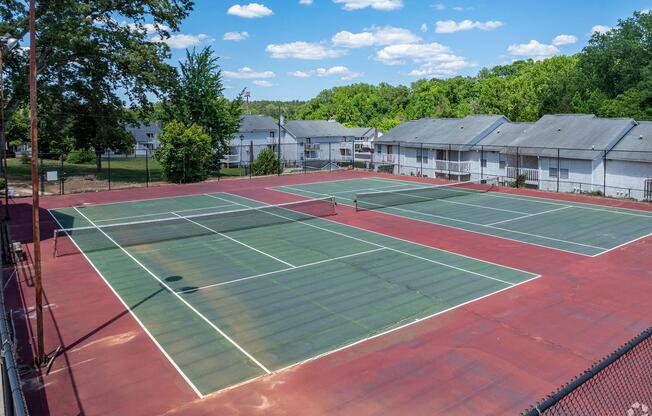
(621, 384)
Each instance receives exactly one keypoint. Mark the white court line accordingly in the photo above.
(192, 308)
(158, 198)
(161, 213)
(282, 270)
(412, 242)
(624, 244)
(530, 215)
(551, 201)
(483, 225)
(387, 248)
(235, 240)
(133, 315)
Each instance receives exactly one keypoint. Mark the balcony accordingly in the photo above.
(271, 140)
(531, 175)
(452, 166)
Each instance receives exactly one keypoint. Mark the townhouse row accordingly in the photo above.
(564, 152)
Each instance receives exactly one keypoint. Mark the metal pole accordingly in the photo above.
(558, 167)
(604, 174)
(280, 166)
(147, 167)
(61, 177)
(330, 157)
(3, 152)
(518, 168)
(251, 158)
(109, 163)
(353, 154)
(481, 165)
(421, 168)
(450, 147)
(398, 158)
(36, 228)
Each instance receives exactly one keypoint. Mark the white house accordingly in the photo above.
(316, 143)
(566, 152)
(494, 155)
(146, 136)
(435, 147)
(629, 164)
(257, 130)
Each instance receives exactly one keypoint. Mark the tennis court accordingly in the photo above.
(231, 289)
(580, 228)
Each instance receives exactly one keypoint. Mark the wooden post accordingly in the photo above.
(36, 228)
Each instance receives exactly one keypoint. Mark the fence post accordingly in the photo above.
(481, 165)
(147, 167)
(421, 167)
(398, 159)
(278, 151)
(559, 167)
(109, 160)
(251, 158)
(518, 167)
(448, 162)
(41, 173)
(604, 173)
(61, 177)
(353, 154)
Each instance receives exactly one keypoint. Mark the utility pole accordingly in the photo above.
(33, 105)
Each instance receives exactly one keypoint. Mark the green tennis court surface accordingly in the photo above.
(576, 227)
(233, 296)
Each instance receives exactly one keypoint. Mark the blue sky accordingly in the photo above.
(293, 49)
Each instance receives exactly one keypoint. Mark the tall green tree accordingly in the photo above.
(91, 56)
(199, 99)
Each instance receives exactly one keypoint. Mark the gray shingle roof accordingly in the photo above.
(316, 128)
(504, 135)
(254, 122)
(636, 146)
(361, 132)
(440, 132)
(580, 136)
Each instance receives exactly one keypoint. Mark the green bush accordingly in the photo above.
(266, 164)
(185, 153)
(519, 182)
(80, 157)
(24, 158)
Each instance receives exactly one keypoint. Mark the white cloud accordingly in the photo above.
(416, 52)
(441, 69)
(462, 9)
(382, 36)
(250, 11)
(600, 29)
(451, 26)
(646, 11)
(424, 28)
(247, 73)
(342, 72)
(303, 50)
(146, 28)
(533, 49)
(183, 41)
(235, 36)
(439, 6)
(299, 74)
(262, 83)
(564, 40)
(374, 4)
(305, 2)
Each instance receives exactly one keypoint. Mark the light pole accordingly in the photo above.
(7, 43)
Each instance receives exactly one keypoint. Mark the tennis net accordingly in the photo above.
(177, 227)
(390, 198)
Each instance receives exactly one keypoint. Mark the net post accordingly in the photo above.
(56, 242)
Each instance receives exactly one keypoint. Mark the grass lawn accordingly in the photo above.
(130, 169)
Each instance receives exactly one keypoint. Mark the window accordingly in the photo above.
(563, 173)
(345, 152)
(483, 163)
(441, 154)
(422, 156)
(150, 135)
(552, 172)
(502, 164)
(271, 134)
(233, 150)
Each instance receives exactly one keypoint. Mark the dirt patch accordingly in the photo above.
(72, 185)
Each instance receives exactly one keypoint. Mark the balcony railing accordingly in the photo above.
(531, 175)
(311, 147)
(452, 166)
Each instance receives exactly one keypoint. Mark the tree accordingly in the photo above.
(266, 164)
(185, 153)
(91, 55)
(198, 99)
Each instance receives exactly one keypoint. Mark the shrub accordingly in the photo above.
(519, 182)
(185, 153)
(266, 164)
(24, 158)
(80, 156)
